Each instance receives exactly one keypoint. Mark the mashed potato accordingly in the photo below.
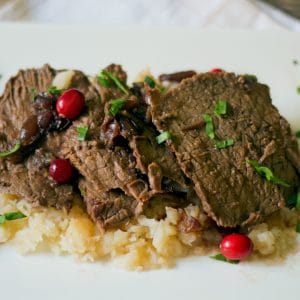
(146, 243)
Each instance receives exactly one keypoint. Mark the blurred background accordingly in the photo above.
(233, 14)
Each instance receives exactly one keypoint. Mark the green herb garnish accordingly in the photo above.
(54, 90)
(115, 106)
(209, 126)
(266, 173)
(224, 144)
(105, 77)
(149, 81)
(221, 108)
(82, 132)
(14, 215)
(104, 80)
(297, 134)
(2, 219)
(152, 84)
(297, 205)
(82, 192)
(298, 227)
(252, 77)
(294, 200)
(16, 147)
(298, 89)
(33, 92)
(221, 257)
(295, 61)
(166, 135)
(291, 201)
(10, 216)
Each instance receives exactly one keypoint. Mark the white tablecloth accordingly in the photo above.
(191, 13)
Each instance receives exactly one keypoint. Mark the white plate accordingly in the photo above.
(267, 54)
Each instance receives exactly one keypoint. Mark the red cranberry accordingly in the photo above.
(236, 246)
(70, 104)
(61, 170)
(216, 70)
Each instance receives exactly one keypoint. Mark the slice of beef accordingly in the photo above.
(156, 206)
(113, 190)
(103, 168)
(131, 130)
(113, 210)
(110, 209)
(230, 190)
(110, 186)
(29, 178)
(156, 161)
(18, 95)
(106, 172)
(152, 159)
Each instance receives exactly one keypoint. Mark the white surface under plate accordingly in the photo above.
(269, 55)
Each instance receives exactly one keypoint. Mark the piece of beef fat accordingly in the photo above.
(230, 189)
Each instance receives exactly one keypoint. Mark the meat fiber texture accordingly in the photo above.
(119, 182)
(30, 178)
(231, 191)
(109, 177)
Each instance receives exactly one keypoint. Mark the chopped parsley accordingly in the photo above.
(298, 227)
(16, 147)
(33, 92)
(298, 134)
(82, 132)
(149, 81)
(295, 61)
(266, 173)
(251, 77)
(14, 215)
(82, 192)
(291, 201)
(115, 106)
(224, 144)
(294, 200)
(298, 201)
(221, 257)
(209, 126)
(298, 89)
(152, 84)
(105, 79)
(166, 135)
(10, 216)
(54, 90)
(221, 108)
